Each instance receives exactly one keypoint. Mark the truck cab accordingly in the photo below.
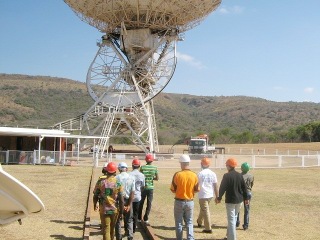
(197, 145)
(200, 145)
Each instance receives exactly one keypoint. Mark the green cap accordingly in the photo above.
(245, 167)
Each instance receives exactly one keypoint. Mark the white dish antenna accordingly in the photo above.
(137, 55)
(135, 61)
(17, 200)
(157, 15)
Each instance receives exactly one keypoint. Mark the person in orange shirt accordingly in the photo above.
(184, 185)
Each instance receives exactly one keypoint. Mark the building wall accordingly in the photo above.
(24, 143)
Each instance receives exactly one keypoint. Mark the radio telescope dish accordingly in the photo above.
(135, 61)
(137, 56)
(157, 15)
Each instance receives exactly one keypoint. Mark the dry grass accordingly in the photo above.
(284, 206)
(285, 203)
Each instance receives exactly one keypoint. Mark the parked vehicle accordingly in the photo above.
(200, 145)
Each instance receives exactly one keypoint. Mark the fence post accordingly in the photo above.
(253, 161)
(34, 157)
(63, 162)
(96, 161)
(221, 161)
(303, 161)
(64, 157)
(215, 160)
(7, 157)
(280, 161)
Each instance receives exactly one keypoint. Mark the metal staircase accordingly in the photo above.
(105, 133)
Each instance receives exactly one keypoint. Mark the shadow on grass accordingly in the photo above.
(96, 233)
(198, 238)
(77, 225)
(164, 228)
(67, 222)
(217, 227)
(56, 236)
(196, 229)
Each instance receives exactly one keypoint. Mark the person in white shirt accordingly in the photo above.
(128, 183)
(139, 186)
(208, 190)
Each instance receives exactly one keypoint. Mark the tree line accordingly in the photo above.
(304, 133)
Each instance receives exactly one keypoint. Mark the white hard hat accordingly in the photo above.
(122, 165)
(184, 158)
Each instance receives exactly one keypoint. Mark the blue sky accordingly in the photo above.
(266, 49)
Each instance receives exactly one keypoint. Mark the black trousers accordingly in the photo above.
(146, 194)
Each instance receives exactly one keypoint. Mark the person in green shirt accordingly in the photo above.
(151, 174)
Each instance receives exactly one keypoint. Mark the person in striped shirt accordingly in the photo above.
(151, 174)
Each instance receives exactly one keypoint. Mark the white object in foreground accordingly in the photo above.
(17, 200)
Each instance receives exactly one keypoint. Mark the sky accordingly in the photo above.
(264, 49)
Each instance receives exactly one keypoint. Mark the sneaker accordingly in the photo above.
(207, 231)
(244, 227)
(237, 224)
(147, 223)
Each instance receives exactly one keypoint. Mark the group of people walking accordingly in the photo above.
(121, 197)
(234, 185)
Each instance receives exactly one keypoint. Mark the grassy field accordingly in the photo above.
(285, 203)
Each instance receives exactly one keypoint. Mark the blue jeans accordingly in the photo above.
(232, 213)
(183, 211)
(246, 214)
(146, 193)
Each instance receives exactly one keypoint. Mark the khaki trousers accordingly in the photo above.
(204, 214)
(108, 223)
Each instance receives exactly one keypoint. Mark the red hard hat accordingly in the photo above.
(136, 162)
(149, 157)
(111, 167)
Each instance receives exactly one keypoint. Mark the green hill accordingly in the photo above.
(41, 101)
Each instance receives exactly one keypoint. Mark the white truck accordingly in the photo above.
(200, 145)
